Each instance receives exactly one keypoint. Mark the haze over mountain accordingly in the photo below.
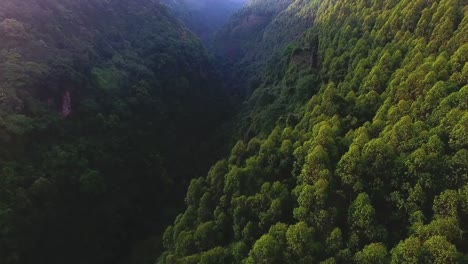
(270, 131)
(204, 17)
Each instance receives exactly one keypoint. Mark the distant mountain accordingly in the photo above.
(254, 35)
(204, 17)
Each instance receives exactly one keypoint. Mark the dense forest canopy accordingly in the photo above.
(100, 103)
(346, 124)
(354, 146)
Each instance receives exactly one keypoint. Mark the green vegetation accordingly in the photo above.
(254, 36)
(100, 104)
(354, 145)
(350, 145)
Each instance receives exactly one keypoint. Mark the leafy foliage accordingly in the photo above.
(371, 169)
(100, 104)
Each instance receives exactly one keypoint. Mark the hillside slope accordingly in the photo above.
(256, 34)
(371, 169)
(100, 103)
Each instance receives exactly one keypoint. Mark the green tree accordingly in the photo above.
(213, 256)
(265, 250)
(438, 250)
(300, 240)
(375, 253)
(407, 251)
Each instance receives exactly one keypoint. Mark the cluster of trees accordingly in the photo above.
(100, 102)
(372, 169)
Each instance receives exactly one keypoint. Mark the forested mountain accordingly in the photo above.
(355, 144)
(352, 142)
(102, 107)
(204, 17)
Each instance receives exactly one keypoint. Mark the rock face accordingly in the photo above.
(66, 104)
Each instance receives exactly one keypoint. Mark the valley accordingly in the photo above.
(259, 131)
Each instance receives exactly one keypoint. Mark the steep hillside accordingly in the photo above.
(372, 168)
(100, 104)
(256, 34)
